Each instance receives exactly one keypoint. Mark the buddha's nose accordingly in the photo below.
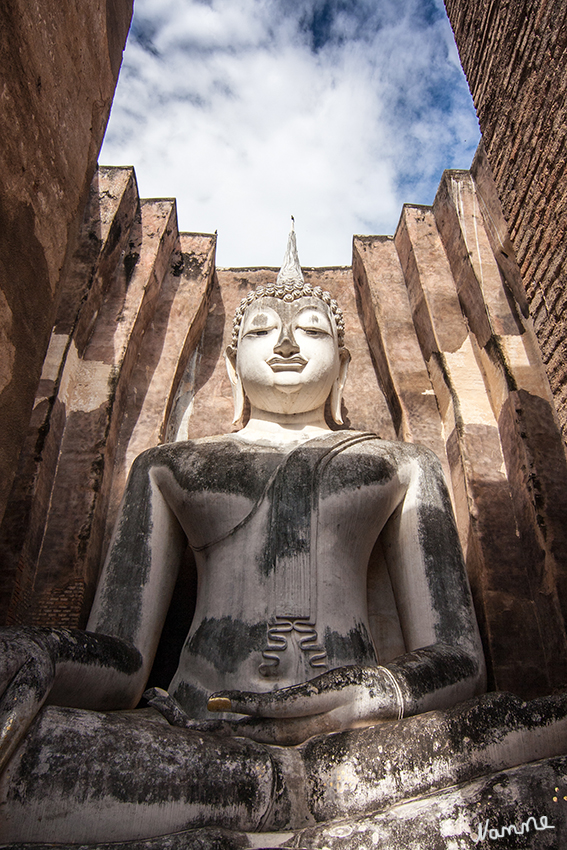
(286, 345)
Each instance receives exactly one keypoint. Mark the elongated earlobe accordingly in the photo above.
(235, 383)
(339, 385)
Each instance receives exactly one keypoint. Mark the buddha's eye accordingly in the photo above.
(313, 331)
(260, 332)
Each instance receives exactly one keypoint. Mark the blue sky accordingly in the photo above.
(249, 111)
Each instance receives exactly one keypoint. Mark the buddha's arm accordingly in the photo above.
(31, 660)
(107, 666)
(444, 663)
(135, 587)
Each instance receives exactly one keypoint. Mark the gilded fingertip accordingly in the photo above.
(219, 704)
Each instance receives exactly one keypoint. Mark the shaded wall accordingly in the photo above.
(514, 55)
(59, 64)
(442, 355)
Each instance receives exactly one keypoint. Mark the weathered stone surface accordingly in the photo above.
(482, 493)
(517, 802)
(169, 345)
(104, 238)
(467, 759)
(389, 328)
(506, 350)
(496, 227)
(59, 67)
(91, 393)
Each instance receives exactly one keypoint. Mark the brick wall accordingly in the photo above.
(514, 55)
(59, 64)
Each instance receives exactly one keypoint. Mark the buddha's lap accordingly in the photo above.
(140, 752)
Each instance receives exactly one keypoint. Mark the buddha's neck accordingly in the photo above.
(283, 428)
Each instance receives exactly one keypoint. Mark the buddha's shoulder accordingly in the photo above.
(201, 447)
(222, 460)
(227, 448)
(359, 458)
(370, 444)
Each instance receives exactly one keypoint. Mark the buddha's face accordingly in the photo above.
(288, 356)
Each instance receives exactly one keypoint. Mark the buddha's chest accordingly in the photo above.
(280, 503)
(282, 545)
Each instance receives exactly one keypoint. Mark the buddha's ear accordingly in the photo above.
(235, 382)
(339, 385)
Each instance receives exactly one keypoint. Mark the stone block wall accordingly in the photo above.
(514, 54)
(443, 355)
(59, 64)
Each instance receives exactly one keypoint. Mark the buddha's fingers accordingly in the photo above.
(22, 700)
(299, 701)
(291, 731)
(354, 693)
(286, 732)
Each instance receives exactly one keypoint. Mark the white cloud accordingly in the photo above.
(247, 111)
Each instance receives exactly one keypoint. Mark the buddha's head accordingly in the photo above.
(287, 353)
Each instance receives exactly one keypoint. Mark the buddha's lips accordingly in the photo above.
(288, 364)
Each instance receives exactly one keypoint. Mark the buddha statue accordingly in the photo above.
(292, 650)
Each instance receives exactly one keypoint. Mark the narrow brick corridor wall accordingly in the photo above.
(59, 64)
(514, 55)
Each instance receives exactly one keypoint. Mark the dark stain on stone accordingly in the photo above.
(291, 504)
(145, 763)
(191, 264)
(431, 669)
(193, 700)
(177, 267)
(494, 350)
(355, 647)
(226, 643)
(130, 262)
(102, 650)
(441, 549)
(353, 470)
(131, 550)
(219, 466)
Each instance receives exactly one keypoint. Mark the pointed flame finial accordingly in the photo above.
(290, 272)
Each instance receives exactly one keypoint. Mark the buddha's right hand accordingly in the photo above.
(65, 667)
(343, 698)
(27, 671)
